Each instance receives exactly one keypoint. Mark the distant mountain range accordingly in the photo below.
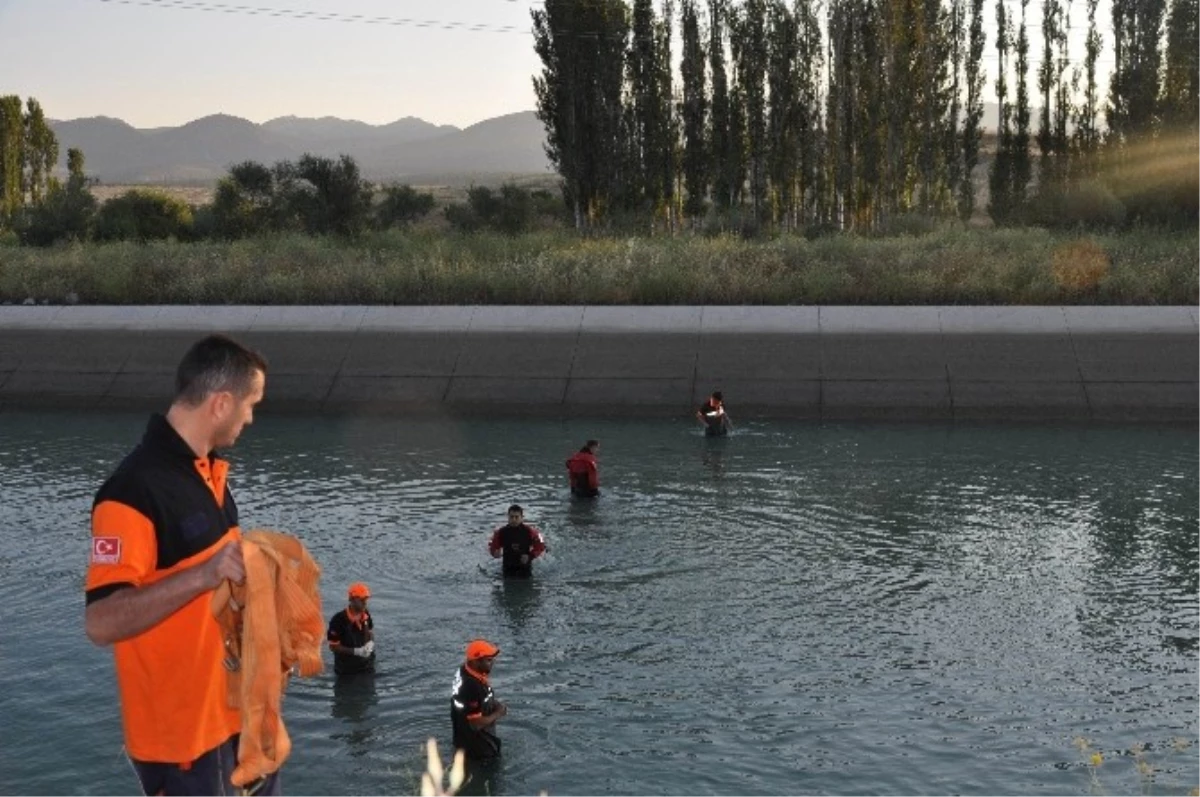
(409, 148)
(202, 150)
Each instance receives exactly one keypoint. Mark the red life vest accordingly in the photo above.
(581, 468)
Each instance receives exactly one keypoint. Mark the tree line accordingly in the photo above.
(313, 195)
(858, 114)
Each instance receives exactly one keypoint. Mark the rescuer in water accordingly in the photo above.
(582, 471)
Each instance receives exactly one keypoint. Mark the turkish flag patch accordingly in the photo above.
(106, 550)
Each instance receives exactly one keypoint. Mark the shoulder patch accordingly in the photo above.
(106, 550)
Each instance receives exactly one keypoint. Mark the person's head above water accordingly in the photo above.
(590, 446)
(358, 595)
(717, 397)
(515, 515)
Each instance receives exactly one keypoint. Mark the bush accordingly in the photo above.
(462, 217)
(1089, 205)
(401, 205)
(325, 195)
(141, 215)
(66, 214)
(244, 202)
(512, 210)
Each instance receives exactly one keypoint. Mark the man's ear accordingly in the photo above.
(222, 404)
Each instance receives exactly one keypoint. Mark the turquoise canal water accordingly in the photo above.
(801, 608)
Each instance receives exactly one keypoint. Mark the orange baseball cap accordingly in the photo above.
(481, 649)
(359, 590)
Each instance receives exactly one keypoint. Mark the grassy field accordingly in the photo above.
(950, 266)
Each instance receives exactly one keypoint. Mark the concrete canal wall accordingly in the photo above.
(961, 363)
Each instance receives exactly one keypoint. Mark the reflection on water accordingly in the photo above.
(516, 600)
(797, 608)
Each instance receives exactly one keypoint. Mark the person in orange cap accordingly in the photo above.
(352, 634)
(474, 709)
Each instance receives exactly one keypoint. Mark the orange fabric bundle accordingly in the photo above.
(273, 627)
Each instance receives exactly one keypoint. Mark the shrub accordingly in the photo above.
(66, 214)
(244, 202)
(511, 210)
(141, 215)
(401, 205)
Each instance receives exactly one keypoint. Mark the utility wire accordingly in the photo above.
(318, 16)
(363, 19)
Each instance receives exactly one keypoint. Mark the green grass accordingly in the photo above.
(950, 266)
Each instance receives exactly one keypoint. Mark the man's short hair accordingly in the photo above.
(214, 364)
(717, 395)
(591, 444)
(516, 508)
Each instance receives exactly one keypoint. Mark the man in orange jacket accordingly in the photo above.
(352, 634)
(474, 709)
(165, 535)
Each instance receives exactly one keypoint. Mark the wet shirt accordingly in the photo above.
(161, 511)
(714, 417)
(471, 697)
(583, 473)
(515, 542)
(351, 633)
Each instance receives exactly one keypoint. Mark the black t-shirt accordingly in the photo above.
(470, 697)
(349, 634)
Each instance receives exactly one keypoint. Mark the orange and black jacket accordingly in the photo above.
(350, 630)
(513, 542)
(471, 697)
(581, 469)
(161, 511)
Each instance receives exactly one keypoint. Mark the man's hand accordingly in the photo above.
(129, 612)
(227, 563)
(365, 651)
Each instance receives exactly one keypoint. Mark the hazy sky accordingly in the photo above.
(159, 62)
(166, 65)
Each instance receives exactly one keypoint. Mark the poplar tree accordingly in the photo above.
(665, 145)
(40, 153)
(582, 50)
(720, 122)
(751, 59)
(954, 148)
(783, 115)
(1000, 178)
(1180, 108)
(972, 132)
(12, 158)
(1134, 85)
(696, 152)
(808, 99)
(1087, 134)
(1022, 166)
(643, 98)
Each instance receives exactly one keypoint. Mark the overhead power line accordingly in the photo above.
(439, 24)
(319, 16)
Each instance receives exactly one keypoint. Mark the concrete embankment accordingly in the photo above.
(1052, 363)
